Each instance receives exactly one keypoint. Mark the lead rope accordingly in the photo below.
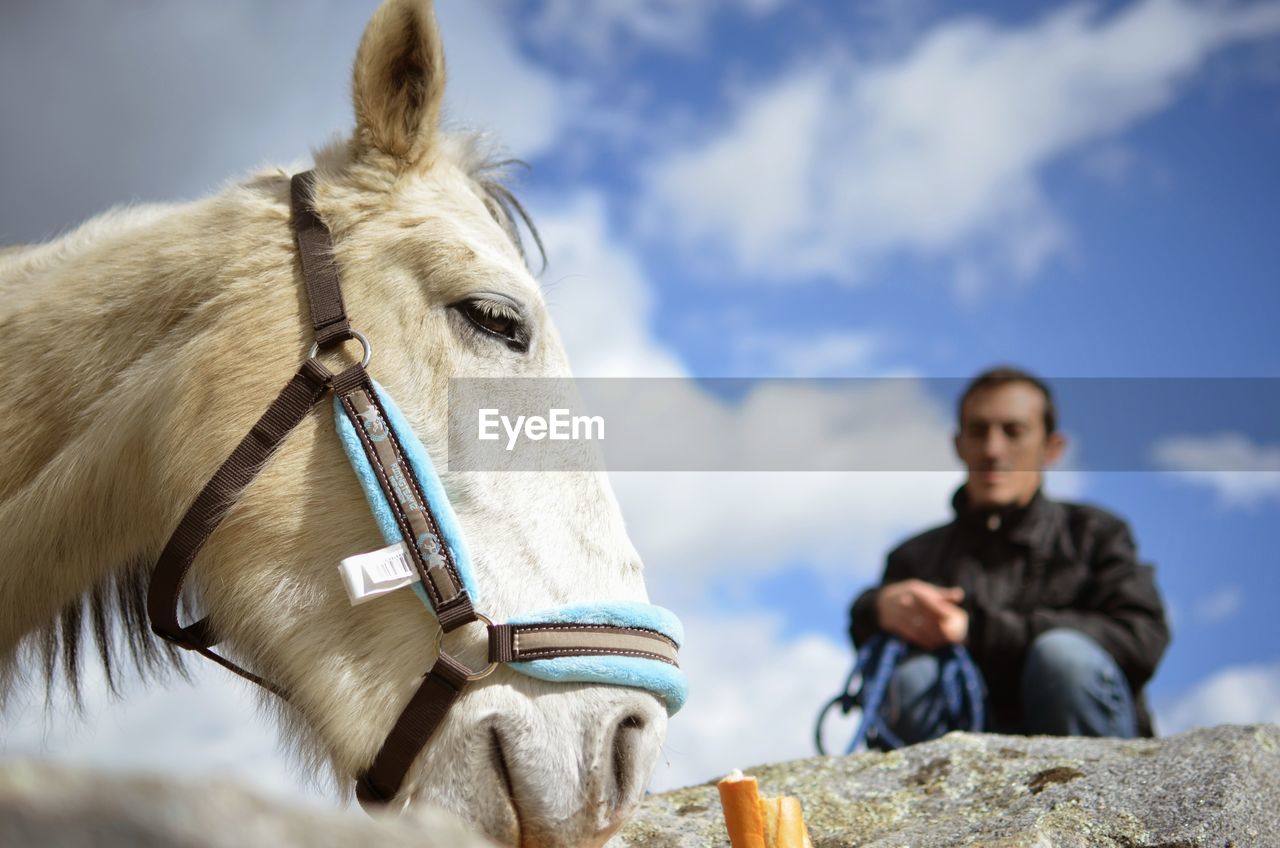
(958, 676)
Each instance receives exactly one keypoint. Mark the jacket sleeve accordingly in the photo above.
(1119, 608)
(864, 622)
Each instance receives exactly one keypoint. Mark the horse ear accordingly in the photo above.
(399, 80)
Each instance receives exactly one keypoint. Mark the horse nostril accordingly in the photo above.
(626, 768)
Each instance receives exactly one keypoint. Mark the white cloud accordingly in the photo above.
(210, 726)
(599, 31)
(939, 152)
(1240, 471)
(691, 526)
(887, 27)
(753, 185)
(492, 86)
(753, 697)
(1112, 163)
(1220, 606)
(599, 298)
(847, 353)
(1243, 694)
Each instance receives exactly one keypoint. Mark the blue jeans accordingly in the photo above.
(1070, 687)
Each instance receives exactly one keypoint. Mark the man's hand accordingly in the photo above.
(922, 614)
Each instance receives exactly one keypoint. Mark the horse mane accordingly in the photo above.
(491, 174)
(114, 612)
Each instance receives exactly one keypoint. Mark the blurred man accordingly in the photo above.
(1062, 621)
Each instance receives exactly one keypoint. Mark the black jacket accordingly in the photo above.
(1028, 570)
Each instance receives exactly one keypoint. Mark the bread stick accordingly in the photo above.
(740, 798)
(769, 815)
(755, 822)
(791, 832)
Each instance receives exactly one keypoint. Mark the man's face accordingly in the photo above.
(1002, 441)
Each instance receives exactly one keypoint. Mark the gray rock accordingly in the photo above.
(49, 806)
(1216, 787)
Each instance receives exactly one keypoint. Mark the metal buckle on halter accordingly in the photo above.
(366, 348)
(472, 674)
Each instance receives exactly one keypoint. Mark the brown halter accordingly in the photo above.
(444, 682)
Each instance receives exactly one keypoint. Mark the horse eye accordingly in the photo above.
(496, 319)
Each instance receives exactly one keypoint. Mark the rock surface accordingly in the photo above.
(43, 805)
(1212, 788)
(1216, 787)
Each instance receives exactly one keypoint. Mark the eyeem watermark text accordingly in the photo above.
(558, 426)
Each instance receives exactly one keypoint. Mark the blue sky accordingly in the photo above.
(766, 188)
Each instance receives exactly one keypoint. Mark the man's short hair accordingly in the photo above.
(1003, 376)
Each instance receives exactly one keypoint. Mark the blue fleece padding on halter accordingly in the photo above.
(662, 679)
(432, 488)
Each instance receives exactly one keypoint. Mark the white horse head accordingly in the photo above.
(152, 340)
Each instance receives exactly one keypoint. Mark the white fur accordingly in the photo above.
(142, 346)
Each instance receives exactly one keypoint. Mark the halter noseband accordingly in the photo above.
(624, 643)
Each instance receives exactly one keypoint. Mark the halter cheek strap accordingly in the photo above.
(613, 642)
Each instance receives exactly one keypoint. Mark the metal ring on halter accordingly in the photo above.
(366, 348)
(481, 618)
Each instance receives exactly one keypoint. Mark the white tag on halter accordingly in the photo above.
(376, 573)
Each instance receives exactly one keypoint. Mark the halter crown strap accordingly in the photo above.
(319, 271)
